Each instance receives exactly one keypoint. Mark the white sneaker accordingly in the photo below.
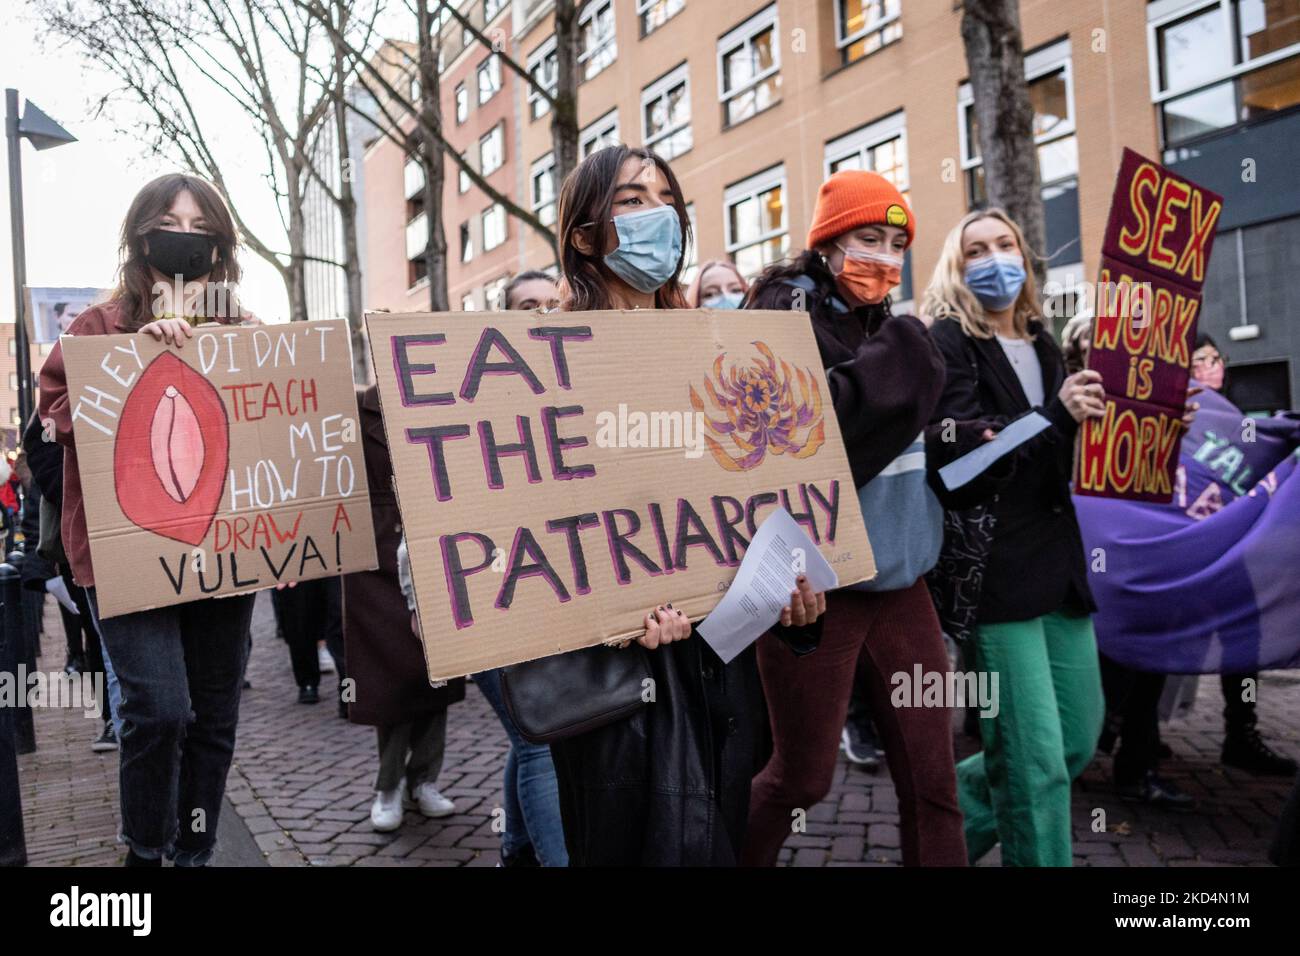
(386, 811)
(429, 801)
(324, 659)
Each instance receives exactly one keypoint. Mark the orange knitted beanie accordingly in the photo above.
(853, 198)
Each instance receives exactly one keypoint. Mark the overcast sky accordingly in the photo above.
(75, 195)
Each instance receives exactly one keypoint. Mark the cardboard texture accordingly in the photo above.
(224, 466)
(1153, 263)
(560, 475)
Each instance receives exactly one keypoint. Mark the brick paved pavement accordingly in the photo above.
(302, 785)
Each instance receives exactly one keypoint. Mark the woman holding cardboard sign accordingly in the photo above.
(668, 785)
(180, 668)
(1030, 619)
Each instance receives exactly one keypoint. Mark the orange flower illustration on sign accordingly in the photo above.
(768, 410)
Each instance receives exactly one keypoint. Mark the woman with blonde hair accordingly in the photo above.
(1027, 620)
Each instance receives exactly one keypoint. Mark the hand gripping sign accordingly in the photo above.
(231, 464)
(559, 475)
(1153, 264)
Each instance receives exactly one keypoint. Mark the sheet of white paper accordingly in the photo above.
(763, 584)
(975, 463)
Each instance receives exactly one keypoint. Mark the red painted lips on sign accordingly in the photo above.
(1153, 265)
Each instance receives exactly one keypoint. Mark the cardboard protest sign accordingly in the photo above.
(1153, 263)
(560, 475)
(224, 466)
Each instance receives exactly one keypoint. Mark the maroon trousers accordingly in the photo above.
(808, 700)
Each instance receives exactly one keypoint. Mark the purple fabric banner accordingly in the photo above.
(1210, 582)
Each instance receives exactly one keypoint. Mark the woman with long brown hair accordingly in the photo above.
(670, 784)
(180, 668)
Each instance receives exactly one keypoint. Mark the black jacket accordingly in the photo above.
(886, 377)
(1036, 564)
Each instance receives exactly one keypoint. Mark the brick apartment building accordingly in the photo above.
(756, 101)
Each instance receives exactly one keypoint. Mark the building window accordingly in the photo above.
(492, 151)
(489, 78)
(13, 348)
(462, 178)
(598, 135)
(542, 189)
(466, 243)
(1051, 91)
(666, 113)
(756, 221)
(863, 26)
(494, 294)
(1215, 65)
(462, 103)
(13, 381)
(491, 8)
(749, 67)
(543, 67)
(655, 13)
(417, 241)
(467, 303)
(494, 226)
(880, 147)
(599, 48)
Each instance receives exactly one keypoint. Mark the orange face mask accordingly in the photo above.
(869, 276)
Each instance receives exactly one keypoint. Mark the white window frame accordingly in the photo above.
(1038, 64)
(478, 77)
(660, 89)
(490, 15)
(499, 131)
(497, 286)
(597, 129)
(642, 6)
(842, 41)
(589, 13)
(505, 227)
(466, 252)
(412, 177)
(1163, 13)
(539, 56)
(545, 164)
(865, 138)
(751, 188)
(461, 90)
(419, 226)
(741, 37)
(468, 303)
(463, 182)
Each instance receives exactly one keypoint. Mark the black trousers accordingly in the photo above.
(310, 612)
(1132, 704)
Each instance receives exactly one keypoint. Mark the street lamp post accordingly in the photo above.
(43, 133)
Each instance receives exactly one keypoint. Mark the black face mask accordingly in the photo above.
(184, 254)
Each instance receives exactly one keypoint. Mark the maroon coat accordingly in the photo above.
(383, 655)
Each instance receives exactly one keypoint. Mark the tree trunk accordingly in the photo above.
(348, 208)
(564, 118)
(295, 275)
(995, 58)
(435, 254)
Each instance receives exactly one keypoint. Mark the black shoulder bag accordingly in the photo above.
(554, 698)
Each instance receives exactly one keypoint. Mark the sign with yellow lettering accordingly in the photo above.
(1153, 264)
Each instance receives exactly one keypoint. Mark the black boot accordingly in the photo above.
(1156, 792)
(133, 860)
(308, 695)
(1245, 749)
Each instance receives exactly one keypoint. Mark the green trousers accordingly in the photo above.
(1050, 711)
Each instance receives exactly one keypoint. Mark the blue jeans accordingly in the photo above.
(179, 672)
(532, 797)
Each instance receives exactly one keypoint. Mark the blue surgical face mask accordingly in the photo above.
(724, 300)
(649, 247)
(996, 279)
